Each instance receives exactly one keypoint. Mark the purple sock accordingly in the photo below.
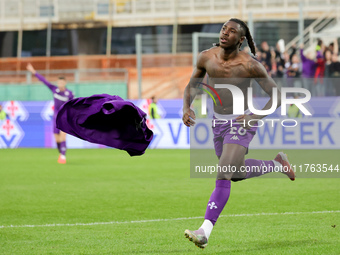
(63, 148)
(257, 167)
(58, 146)
(218, 200)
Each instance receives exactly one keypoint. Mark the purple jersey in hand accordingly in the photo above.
(60, 97)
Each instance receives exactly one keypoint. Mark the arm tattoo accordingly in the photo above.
(254, 69)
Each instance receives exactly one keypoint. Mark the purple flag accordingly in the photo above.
(108, 120)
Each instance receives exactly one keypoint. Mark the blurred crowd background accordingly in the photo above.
(315, 70)
(144, 48)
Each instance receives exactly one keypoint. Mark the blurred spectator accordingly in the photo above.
(266, 55)
(272, 62)
(294, 67)
(331, 46)
(308, 64)
(305, 70)
(328, 83)
(3, 115)
(302, 69)
(335, 73)
(286, 59)
(334, 67)
(329, 68)
(280, 68)
(294, 111)
(319, 45)
(278, 65)
(320, 69)
(293, 70)
(258, 55)
(264, 62)
(153, 109)
(308, 71)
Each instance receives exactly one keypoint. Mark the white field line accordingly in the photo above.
(161, 220)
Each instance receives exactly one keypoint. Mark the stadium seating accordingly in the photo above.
(149, 12)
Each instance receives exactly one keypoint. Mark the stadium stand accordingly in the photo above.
(79, 29)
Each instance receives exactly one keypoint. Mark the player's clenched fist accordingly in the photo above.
(30, 68)
(188, 117)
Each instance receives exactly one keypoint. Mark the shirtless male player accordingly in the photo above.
(226, 61)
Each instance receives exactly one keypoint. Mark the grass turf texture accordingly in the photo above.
(107, 185)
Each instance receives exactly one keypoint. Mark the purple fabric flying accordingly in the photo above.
(107, 120)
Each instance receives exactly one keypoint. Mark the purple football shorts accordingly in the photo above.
(227, 130)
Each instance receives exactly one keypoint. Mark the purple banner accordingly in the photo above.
(29, 124)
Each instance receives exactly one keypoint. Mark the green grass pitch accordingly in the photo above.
(147, 203)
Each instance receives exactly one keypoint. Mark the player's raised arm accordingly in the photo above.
(30, 68)
(191, 90)
(41, 78)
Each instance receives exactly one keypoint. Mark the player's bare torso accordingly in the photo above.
(237, 71)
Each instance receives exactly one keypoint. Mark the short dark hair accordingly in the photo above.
(62, 78)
